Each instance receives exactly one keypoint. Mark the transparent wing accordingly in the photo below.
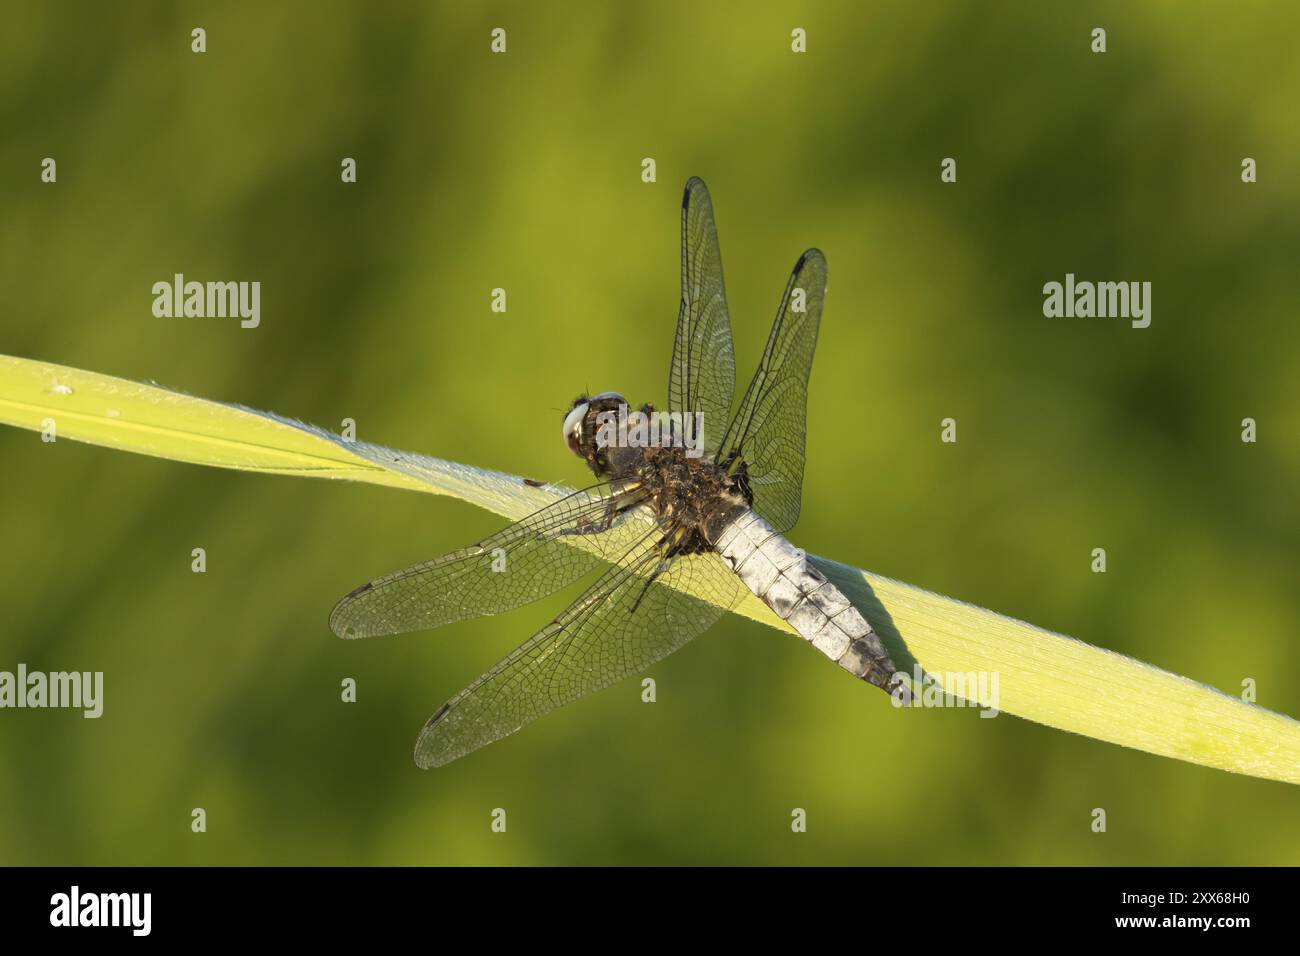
(526, 561)
(767, 434)
(703, 374)
(626, 621)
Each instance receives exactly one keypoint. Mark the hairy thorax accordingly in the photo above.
(694, 495)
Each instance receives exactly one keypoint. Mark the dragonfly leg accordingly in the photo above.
(672, 551)
(616, 506)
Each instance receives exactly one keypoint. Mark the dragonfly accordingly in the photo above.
(690, 511)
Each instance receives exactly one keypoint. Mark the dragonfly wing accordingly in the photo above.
(622, 624)
(703, 374)
(767, 433)
(523, 562)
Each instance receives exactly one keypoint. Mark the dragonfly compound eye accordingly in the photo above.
(573, 427)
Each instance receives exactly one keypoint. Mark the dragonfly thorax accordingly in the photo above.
(694, 498)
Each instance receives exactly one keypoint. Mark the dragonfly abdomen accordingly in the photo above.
(779, 574)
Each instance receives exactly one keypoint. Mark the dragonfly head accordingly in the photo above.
(580, 425)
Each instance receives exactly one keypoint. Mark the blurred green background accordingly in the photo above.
(523, 171)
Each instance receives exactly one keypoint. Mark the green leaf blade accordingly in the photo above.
(1045, 677)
